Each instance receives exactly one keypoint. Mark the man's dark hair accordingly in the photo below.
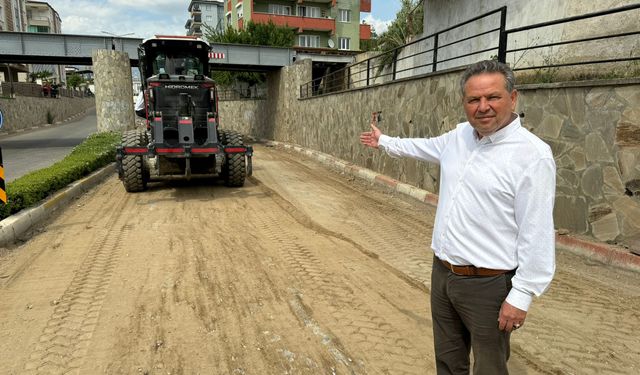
(489, 66)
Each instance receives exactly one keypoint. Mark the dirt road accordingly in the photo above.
(302, 271)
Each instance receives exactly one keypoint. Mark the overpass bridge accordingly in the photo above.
(66, 49)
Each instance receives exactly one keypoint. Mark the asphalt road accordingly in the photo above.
(37, 149)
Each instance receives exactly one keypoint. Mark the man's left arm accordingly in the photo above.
(535, 246)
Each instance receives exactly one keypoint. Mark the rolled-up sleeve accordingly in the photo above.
(535, 248)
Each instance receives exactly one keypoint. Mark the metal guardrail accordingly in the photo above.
(612, 59)
(397, 63)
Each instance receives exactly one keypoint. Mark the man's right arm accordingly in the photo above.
(426, 149)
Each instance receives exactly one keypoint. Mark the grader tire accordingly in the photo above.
(135, 175)
(234, 171)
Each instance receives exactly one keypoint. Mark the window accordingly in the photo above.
(309, 41)
(229, 18)
(16, 18)
(209, 19)
(284, 10)
(177, 64)
(38, 29)
(207, 7)
(307, 11)
(344, 43)
(239, 10)
(344, 15)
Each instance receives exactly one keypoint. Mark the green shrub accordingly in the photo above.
(95, 152)
(50, 117)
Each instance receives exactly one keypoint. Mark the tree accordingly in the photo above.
(408, 24)
(74, 80)
(39, 75)
(261, 34)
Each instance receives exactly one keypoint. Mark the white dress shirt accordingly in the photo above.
(495, 208)
(139, 101)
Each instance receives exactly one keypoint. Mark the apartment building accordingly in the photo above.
(203, 13)
(13, 17)
(319, 24)
(43, 18)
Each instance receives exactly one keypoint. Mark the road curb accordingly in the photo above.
(608, 254)
(15, 226)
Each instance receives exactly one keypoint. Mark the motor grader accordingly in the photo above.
(183, 138)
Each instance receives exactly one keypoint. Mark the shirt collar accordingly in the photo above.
(502, 133)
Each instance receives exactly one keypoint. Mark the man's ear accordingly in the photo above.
(514, 99)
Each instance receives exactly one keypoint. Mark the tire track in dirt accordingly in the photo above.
(105, 209)
(399, 238)
(591, 341)
(556, 338)
(68, 331)
(352, 317)
(221, 286)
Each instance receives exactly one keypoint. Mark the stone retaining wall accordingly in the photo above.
(26, 112)
(593, 129)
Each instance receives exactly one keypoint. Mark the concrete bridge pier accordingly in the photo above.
(114, 90)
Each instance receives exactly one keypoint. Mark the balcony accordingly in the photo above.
(195, 9)
(40, 21)
(301, 23)
(365, 6)
(365, 31)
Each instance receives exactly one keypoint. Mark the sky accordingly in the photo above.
(144, 18)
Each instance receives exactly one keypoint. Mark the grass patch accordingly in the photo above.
(95, 152)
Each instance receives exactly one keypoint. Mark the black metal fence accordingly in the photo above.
(440, 51)
(580, 52)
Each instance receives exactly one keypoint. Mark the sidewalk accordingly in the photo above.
(605, 253)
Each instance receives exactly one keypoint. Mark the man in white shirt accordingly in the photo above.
(493, 237)
(139, 106)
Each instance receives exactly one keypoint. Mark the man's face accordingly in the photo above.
(487, 103)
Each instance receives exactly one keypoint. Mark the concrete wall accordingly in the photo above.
(26, 112)
(441, 14)
(594, 132)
